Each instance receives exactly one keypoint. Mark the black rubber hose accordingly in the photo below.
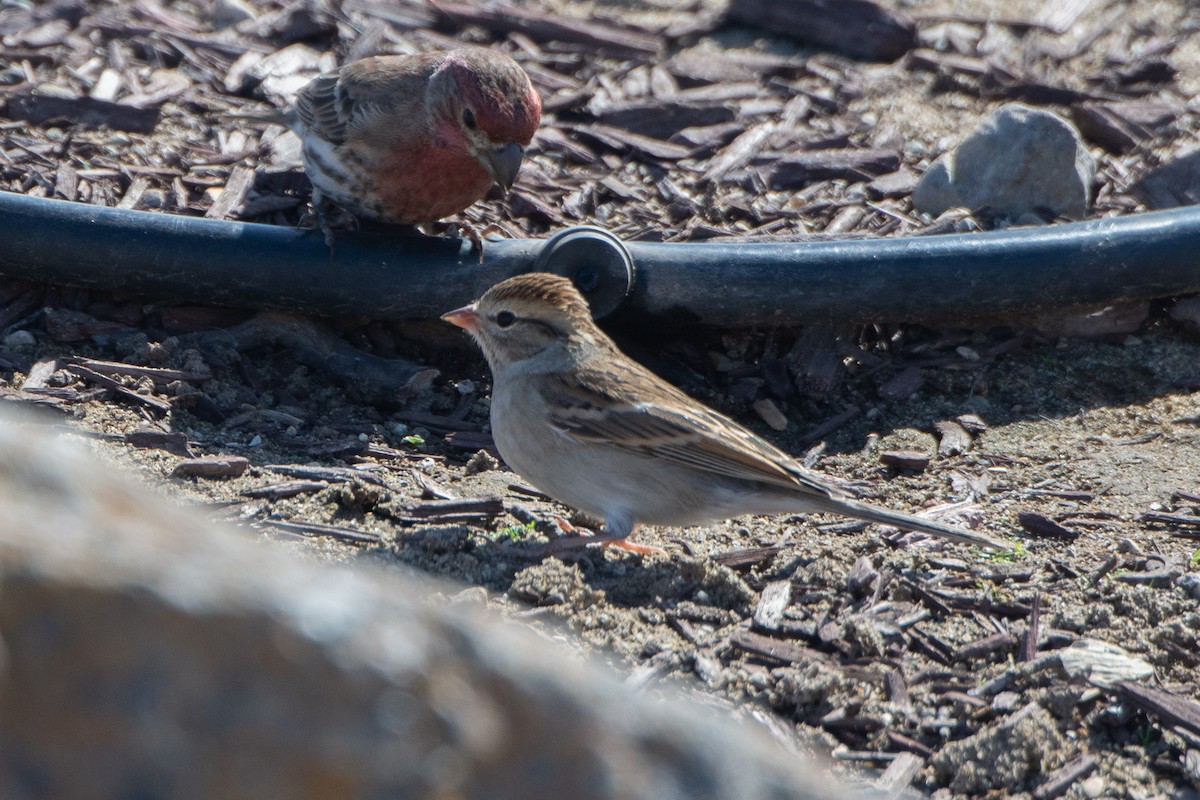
(933, 278)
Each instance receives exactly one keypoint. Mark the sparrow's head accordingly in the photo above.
(483, 102)
(521, 317)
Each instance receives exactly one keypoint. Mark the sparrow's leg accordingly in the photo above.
(616, 533)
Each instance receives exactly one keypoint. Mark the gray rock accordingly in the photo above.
(1189, 582)
(19, 340)
(149, 653)
(1020, 161)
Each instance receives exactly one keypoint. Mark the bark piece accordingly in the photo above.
(903, 385)
(953, 438)
(910, 460)
(1041, 525)
(172, 442)
(1058, 782)
(1176, 183)
(662, 120)
(542, 27)
(89, 112)
(776, 597)
(1172, 709)
(211, 467)
(1120, 127)
(858, 28)
(850, 164)
(230, 200)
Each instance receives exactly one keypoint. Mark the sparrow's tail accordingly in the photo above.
(908, 522)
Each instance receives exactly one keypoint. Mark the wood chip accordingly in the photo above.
(745, 558)
(542, 27)
(1121, 127)
(775, 598)
(662, 120)
(858, 28)
(1058, 782)
(908, 460)
(1170, 708)
(987, 647)
(89, 374)
(173, 442)
(1041, 525)
(953, 438)
(739, 152)
(903, 385)
(352, 535)
(285, 489)
(241, 179)
(1032, 637)
(478, 507)
(800, 169)
(778, 649)
(38, 109)
(211, 467)
(159, 375)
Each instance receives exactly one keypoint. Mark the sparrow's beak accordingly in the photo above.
(504, 163)
(466, 317)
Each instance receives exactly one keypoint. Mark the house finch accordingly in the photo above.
(594, 429)
(414, 138)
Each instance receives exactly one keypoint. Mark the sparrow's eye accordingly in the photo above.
(469, 118)
(505, 319)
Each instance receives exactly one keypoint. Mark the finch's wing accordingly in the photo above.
(611, 405)
(324, 108)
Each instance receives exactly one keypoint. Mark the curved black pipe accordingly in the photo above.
(935, 278)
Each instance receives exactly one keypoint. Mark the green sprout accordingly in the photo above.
(1019, 551)
(414, 440)
(1196, 557)
(515, 532)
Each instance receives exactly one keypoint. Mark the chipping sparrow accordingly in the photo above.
(413, 138)
(596, 430)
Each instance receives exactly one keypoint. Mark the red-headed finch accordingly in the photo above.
(414, 138)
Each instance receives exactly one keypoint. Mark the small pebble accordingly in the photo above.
(465, 387)
(1093, 787)
(19, 340)
(399, 428)
(256, 441)
(1190, 583)
(771, 414)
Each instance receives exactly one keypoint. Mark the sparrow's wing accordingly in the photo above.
(626, 406)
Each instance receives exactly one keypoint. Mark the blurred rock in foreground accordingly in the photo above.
(146, 653)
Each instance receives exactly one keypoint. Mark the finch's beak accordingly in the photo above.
(466, 317)
(504, 163)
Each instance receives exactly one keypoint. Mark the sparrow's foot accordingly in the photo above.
(574, 545)
(634, 547)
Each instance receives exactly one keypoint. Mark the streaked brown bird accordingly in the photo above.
(594, 429)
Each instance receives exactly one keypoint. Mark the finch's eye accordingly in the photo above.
(505, 319)
(469, 118)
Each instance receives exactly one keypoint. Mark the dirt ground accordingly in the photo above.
(883, 647)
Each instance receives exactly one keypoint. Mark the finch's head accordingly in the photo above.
(520, 317)
(485, 103)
